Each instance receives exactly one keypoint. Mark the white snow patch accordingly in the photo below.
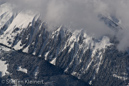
(53, 61)
(40, 35)
(73, 73)
(36, 72)
(22, 69)
(18, 46)
(39, 55)
(26, 49)
(120, 77)
(13, 20)
(46, 55)
(34, 53)
(22, 20)
(89, 65)
(71, 47)
(90, 82)
(99, 63)
(76, 74)
(3, 68)
(4, 48)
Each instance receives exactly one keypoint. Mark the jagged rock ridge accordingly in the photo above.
(76, 52)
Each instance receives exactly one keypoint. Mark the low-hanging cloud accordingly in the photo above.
(81, 14)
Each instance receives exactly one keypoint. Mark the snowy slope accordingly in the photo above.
(12, 24)
(76, 52)
(25, 32)
(3, 68)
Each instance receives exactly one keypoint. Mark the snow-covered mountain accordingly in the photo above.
(96, 61)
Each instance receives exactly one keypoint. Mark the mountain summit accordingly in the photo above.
(94, 61)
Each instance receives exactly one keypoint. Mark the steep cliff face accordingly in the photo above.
(96, 61)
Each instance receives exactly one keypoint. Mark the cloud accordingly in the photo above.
(78, 14)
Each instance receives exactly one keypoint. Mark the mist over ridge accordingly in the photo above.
(81, 14)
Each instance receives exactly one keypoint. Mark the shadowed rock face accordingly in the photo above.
(95, 61)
